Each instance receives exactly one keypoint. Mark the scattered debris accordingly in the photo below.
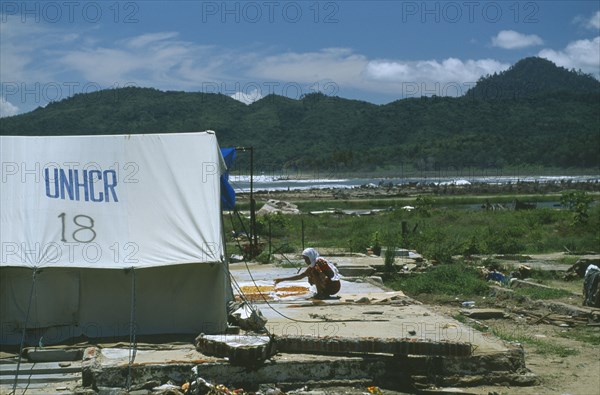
(554, 319)
(496, 277)
(484, 314)
(242, 315)
(277, 206)
(492, 206)
(522, 272)
(374, 390)
(199, 386)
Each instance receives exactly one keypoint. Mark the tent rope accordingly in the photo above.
(132, 331)
(14, 390)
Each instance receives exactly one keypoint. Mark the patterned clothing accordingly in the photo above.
(322, 273)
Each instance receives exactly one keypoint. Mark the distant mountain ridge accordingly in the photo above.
(531, 77)
(554, 120)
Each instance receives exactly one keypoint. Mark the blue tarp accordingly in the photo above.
(227, 192)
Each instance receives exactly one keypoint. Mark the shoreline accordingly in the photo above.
(262, 183)
(410, 191)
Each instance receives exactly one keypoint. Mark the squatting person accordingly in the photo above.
(321, 273)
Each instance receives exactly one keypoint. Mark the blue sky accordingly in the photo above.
(377, 51)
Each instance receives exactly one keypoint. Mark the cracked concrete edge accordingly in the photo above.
(498, 368)
(91, 365)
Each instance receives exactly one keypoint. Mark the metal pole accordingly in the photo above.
(253, 236)
(254, 241)
(270, 249)
(302, 223)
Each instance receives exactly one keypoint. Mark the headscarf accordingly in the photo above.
(312, 255)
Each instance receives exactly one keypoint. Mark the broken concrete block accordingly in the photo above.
(277, 206)
(240, 350)
(248, 318)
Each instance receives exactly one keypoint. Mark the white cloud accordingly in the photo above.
(446, 71)
(580, 54)
(348, 70)
(156, 59)
(248, 98)
(510, 39)
(7, 109)
(594, 21)
(149, 38)
(15, 57)
(337, 64)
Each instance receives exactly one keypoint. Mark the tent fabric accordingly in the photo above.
(74, 209)
(227, 191)
(111, 202)
(96, 303)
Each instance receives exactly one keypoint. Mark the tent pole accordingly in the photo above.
(14, 390)
(254, 240)
(253, 235)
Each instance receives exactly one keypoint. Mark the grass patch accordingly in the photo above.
(568, 260)
(544, 276)
(584, 334)
(546, 347)
(543, 347)
(538, 293)
(453, 280)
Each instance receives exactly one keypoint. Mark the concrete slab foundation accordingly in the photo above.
(367, 335)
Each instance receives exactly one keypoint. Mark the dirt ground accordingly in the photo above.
(571, 374)
(568, 360)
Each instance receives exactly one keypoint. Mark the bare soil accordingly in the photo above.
(568, 362)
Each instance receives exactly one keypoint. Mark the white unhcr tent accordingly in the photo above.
(103, 236)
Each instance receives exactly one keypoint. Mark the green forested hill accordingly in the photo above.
(531, 77)
(554, 120)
